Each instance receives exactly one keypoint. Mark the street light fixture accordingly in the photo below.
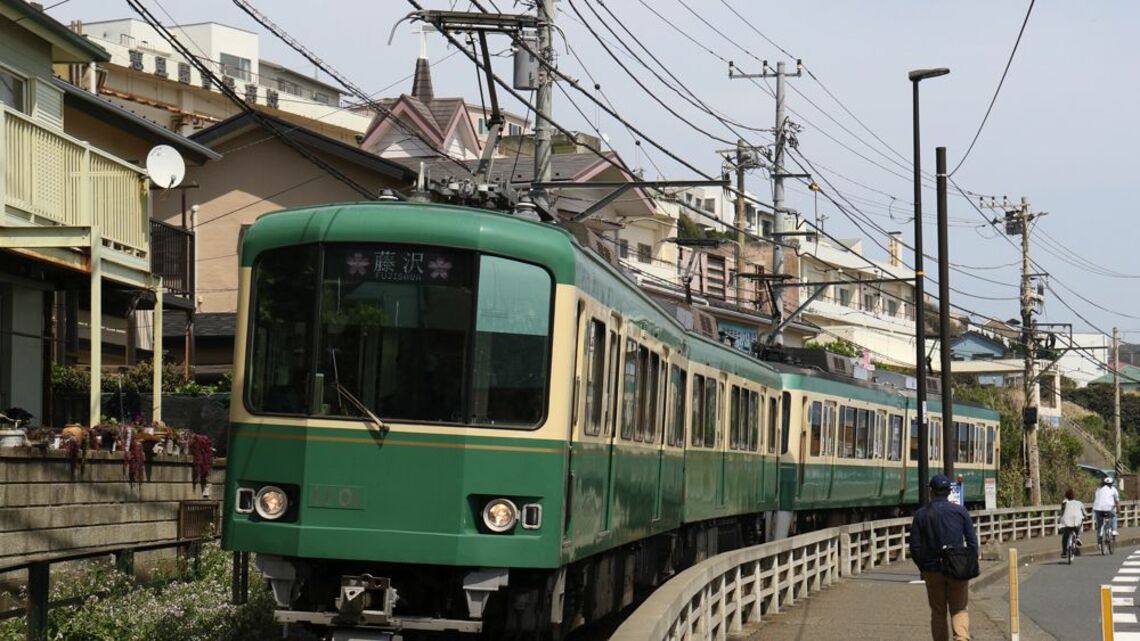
(916, 76)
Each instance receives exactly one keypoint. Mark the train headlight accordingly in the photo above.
(500, 515)
(271, 502)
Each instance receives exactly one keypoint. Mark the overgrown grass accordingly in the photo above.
(114, 607)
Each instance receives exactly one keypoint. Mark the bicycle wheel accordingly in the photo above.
(1111, 542)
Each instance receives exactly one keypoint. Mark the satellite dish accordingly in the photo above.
(165, 167)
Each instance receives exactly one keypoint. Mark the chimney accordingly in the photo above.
(421, 84)
(894, 249)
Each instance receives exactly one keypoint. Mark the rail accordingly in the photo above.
(57, 179)
(718, 596)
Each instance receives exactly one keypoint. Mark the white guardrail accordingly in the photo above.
(718, 596)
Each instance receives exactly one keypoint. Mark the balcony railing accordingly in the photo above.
(172, 257)
(904, 311)
(57, 180)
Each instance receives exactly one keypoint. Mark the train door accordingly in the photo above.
(612, 396)
(588, 490)
(721, 442)
(658, 380)
(801, 463)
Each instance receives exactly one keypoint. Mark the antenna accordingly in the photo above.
(165, 167)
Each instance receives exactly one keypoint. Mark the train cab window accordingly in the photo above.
(861, 449)
(677, 390)
(894, 448)
(989, 445)
(284, 296)
(697, 425)
(753, 422)
(734, 419)
(595, 375)
(785, 421)
(630, 387)
(847, 432)
(815, 419)
(773, 411)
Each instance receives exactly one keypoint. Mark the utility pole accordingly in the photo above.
(739, 221)
(543, 103)
(1017, 220)
(780, 228)
(1116, 396)
(944, 314)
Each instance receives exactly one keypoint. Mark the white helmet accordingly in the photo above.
(1108, 480)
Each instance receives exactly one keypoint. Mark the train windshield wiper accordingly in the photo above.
(347, 396)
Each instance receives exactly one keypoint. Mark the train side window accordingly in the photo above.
(934, 435)
(785, 421)
(861, 433)
(697, 427)
(712, 407)
(734, 419)
(629, 406)
(753, 422)
(848, 431)
(745, 420)
(880, 433)
(595, 376)
(913, 439)
(990, 445)
(963, 441)
(649, 363)
(894, 450)
(980, 446)
(816, 420)
(615, 360)
(677, 385)
(772, 413)
(830, 420)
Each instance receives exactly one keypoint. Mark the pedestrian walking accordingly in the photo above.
(945, 548)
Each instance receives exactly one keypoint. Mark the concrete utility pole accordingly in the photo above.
(780, 228)
(1116, 466)
(1030, 355)
(543, 103)
(739, 221)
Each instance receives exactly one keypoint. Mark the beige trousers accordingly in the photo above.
(946, 594)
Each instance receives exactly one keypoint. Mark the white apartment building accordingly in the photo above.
(146, 76)
(877, 316)
(1080, 365)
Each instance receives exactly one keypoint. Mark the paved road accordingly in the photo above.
(1064, 600)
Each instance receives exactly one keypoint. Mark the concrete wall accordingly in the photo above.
(48, 510)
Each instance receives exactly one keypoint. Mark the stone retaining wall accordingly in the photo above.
(47, 508)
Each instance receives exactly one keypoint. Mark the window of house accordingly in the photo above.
(160, 66)
(515, 130)
(644, 253)
(322, 98)
(482, 126)
(12, 91)
(716, 277)
(623, 248)
(235, 66)
(892, 308)
(869, 302)
(289, 87)
(766, 226)
(845, 297)
(709, 205)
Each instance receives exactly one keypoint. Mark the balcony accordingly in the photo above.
(854, 311)
(172, 258)
(60, 192)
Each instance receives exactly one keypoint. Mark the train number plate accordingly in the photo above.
(336, 497)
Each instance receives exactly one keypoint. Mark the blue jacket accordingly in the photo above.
(955, 529)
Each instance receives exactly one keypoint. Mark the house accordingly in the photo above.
(1129, 376)
(263, 167)
(77, 246)
(973, 345)
(856, 305)
(146, 76)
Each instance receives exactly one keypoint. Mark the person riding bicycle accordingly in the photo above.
(1104, 506)
(1072, 516)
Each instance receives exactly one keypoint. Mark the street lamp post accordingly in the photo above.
(917, 76)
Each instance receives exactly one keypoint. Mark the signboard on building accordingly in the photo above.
(743, 337)
(957, 493)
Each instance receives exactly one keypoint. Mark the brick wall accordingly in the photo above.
(48, 509)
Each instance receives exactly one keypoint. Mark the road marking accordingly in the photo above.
(1126, 636)
(1126, 579)
(918, 582)
(1123, 617)
(1124, 588)
(1123, 604)
(1130, 570)
(1118, 600)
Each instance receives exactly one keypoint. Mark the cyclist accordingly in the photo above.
(1072, 516)
(1104, 506)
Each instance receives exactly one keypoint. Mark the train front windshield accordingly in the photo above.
(415, 333)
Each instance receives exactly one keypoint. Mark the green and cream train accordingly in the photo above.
(453, 420)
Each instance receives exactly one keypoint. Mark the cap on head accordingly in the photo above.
(1108, 480)
(939, 482)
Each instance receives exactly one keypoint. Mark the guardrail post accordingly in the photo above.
(240, 579)
(39, 583)
(844, 542)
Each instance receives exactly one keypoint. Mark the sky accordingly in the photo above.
(1061, 133)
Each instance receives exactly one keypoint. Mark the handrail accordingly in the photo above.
(719, 595)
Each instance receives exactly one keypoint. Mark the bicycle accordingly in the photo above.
(1071, 547)
(1104, 536)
